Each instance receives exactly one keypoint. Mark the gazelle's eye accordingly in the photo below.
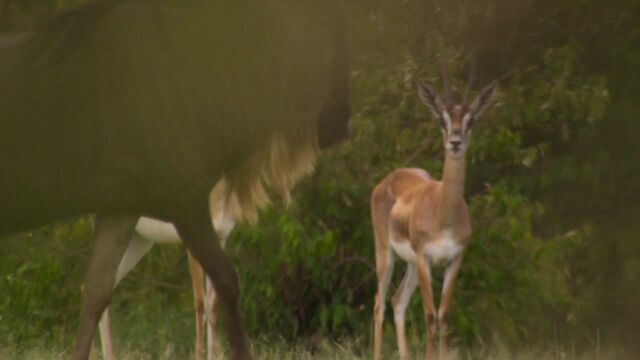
(443, 124)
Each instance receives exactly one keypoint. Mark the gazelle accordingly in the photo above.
(149, 232)
(413, 214)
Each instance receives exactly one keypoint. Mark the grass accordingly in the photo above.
(323, 350)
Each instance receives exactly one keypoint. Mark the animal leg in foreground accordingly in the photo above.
(112, 233)
(198, 234)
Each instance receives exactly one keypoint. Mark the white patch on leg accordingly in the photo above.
(410, 284)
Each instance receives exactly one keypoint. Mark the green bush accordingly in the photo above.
(309, 268)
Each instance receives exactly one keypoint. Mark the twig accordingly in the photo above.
(364, 280)
(353, 258)
(76, 253)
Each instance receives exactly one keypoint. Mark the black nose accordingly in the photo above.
(456, 144)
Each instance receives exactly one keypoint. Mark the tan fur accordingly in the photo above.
(289, 157)
(418, 210)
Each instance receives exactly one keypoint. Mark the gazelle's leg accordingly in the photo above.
(380, 209)
(210, 295)
(194, 225)
(384, 271)
(424, 279)
(105, 336)
(210, 310)
(136, 249)
(197, 280)
(112, 233)
(400, 302)
(447, 292)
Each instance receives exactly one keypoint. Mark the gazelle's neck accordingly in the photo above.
(452, 191)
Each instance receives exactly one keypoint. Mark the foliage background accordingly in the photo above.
(552, 184)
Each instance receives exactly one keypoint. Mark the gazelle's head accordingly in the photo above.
(456, 120)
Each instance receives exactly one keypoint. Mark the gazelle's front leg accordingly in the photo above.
(193, 222)
(447, 292)
(210, 311)
(112, 233)
(204, 294)
(197, 281)
(400, 302)
(424, 279)
(210, 299)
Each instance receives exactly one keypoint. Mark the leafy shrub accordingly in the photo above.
(310, 268)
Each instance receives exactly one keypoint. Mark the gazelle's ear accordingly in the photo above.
(431, 98)
(483, 100)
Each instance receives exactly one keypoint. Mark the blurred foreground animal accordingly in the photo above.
(138, 108)
(413, 214)
(149, 232)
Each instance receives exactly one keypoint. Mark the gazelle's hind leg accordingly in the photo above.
(112, 234)
(400, 301)
(210, 311)
(205, 295)
(137, 248)
(380, 210)
(384, 271)
(197, 280)
(104, 327)
(194, 226)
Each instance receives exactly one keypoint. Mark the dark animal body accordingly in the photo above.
(130, 108)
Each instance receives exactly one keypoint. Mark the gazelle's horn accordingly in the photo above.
(472, 71)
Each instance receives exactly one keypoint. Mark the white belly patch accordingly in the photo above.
(442, 250)
(157, 231)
